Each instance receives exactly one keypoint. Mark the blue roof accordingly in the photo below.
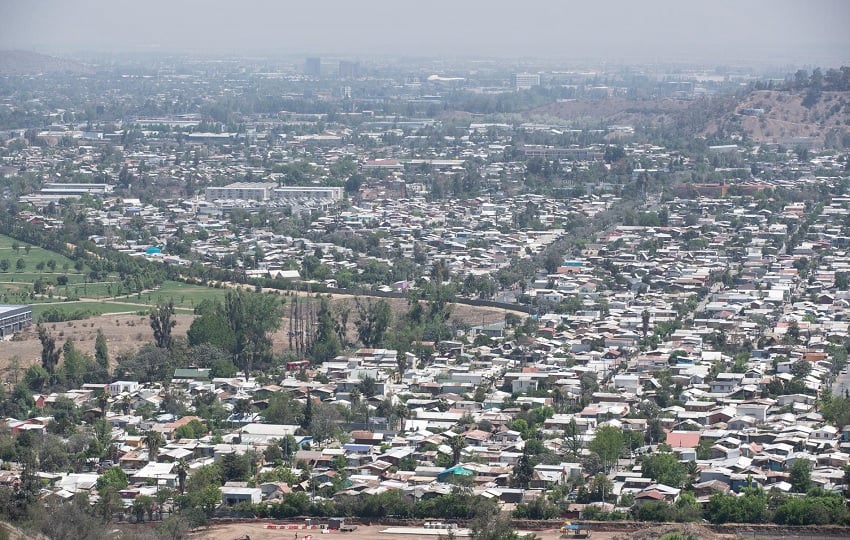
(457, 470)
(357, 447)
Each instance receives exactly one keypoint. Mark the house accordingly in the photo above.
(367, 437)
(157, 473)
(119, 387)
(726, 383)
(231, 495)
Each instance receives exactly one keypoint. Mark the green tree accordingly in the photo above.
(600, 488)
(191, 430)
(818, 507)
(607, 443)
(457, 444)
(211, 327)
(749, 507)
(35, 378)
(324, 422)
(153, 441)
(283, 409)
(801, 368)
(143, 504)
(20, 265)
(181, 469)
(252, 318)
(49, 352)
(327, 344)
(108, 503)
(664, 468)
(373, 320)
(114, 477)
(162, 322)
(101, 351)
(800, 475)
(523, 472)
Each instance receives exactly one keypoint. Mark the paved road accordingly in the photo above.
(842, 384)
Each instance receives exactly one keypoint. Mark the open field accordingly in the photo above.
(123, 332)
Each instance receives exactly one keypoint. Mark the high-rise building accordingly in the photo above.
(524, 81)
(349, 69)
(313, 67)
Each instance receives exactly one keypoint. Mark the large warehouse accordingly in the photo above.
(14, 319)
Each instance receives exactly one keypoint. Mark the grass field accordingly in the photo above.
(31, 259)
(93, 308)
(14, 282)
(185, 296)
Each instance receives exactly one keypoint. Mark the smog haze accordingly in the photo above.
(722, 31)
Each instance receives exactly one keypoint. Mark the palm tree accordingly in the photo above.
(153, 440)
(242, 408)
(182, 471)
(457, 444)
(125, 403)
(402, 413)
(102, 397)
(558, 398)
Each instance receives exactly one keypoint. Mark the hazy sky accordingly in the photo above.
(727, 31)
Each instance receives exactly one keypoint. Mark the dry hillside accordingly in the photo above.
(786, 116)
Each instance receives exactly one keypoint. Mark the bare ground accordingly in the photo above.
(257, 532)
(130, 332)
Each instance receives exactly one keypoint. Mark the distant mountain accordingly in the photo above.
(31, 63)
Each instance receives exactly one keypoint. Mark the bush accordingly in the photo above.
(818, 507)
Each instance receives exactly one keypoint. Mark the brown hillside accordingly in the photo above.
(785, 116)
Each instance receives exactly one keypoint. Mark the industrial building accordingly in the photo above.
(243, 191)
(14, 319)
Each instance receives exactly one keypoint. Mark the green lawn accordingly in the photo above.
(100, 290)
(185, 296)
(31, 259)
(94, 308)
(13, 281)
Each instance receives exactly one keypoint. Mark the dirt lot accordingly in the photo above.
(257, 532)
(129, 332)
(123, 332)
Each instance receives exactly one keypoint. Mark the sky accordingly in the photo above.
(792, 32)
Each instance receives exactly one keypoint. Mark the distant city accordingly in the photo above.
(489, 299)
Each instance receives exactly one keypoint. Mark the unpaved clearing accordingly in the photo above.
(256, 531)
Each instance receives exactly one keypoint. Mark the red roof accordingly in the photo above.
(651, 494)
(683, 439)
